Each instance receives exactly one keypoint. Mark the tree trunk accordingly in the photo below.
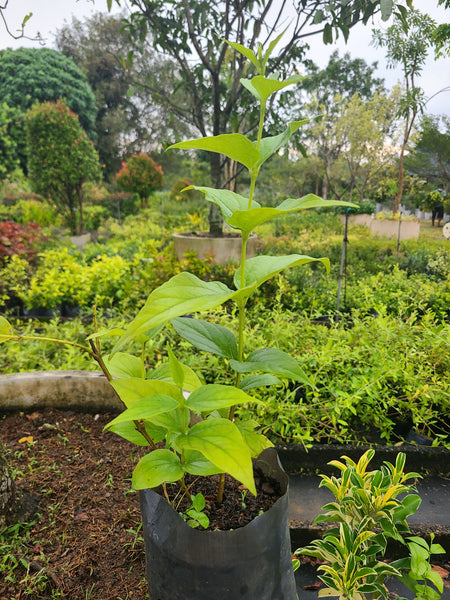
(7, 488)
(399, 194)
(215, 216)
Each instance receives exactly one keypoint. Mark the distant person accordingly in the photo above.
(437, 213)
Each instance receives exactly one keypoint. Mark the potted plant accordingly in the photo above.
(190, 426)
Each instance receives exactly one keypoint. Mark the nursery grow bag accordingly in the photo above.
(252, 562)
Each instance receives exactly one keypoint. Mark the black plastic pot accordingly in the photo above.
(417, 438)
(41, 312)
(252, 563)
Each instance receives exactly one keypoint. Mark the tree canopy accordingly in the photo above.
(407, 44)
(128, 119)
(61, 158)
(209, 72)
(29, 75)
(430, 158)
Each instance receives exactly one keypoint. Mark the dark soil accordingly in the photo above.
(81, 538)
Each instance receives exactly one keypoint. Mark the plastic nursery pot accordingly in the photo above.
(253, 562)
(417, 438)
(41, 312)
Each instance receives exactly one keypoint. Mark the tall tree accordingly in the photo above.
(192, 33)
(128, 120)
(366, 129)
(326, 92)
(61, 159)
(345, 76)
(29, 75)
(430, 158)
(407, 44)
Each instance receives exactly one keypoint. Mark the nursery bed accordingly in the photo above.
(81, 539)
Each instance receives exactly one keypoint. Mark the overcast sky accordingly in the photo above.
(49, 15)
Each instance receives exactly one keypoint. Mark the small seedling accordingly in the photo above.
(419, 573)
(194, 516)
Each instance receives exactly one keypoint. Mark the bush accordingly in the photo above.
(140, 175)
(19, 239)
(178, 195)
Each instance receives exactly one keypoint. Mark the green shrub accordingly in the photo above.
(14, 276)
(31, 211)
(176, 191)
(140, 175)
(94, 216)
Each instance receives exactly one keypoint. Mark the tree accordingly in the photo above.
(430, 159)
(29, 75)
(140, 175)
(328, 91)
(366, 129)
(344, 76)
(407, 43)
(61, 158)
(192, 34)
(128, 120)
(7, 488)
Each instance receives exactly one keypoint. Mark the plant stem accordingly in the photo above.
(242, 303)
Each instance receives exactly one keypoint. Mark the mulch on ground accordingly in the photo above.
(85, 541)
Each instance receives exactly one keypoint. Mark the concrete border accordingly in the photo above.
(71, 390)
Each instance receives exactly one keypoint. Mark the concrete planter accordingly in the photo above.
(388, 228)
(80, 241)
(364, 220)
(223, 250)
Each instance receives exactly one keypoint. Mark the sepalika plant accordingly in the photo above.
(171, 404)
(370, 507)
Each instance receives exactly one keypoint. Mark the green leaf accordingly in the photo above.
(206, 336)
(191, 380)
(26, 18)
(272, 360)
(176, 369)
(233, 145)
(6, 330)
(408, 506)
(271, 47)
(247, 52)
(220, 442)
(270, 145)
(175, 422)
(318, 17)
(155, 468)
(133, 389)
(182, 294)
(102, 332)
(327, 34)
(228, 202)
(215, 396)
(256, 442)
(129, 432)
(146, 408)
(122, 365)
(263, 87)
(386, 7)
(261, 268)
(197, 464)
(436, 579)
(255, 381)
